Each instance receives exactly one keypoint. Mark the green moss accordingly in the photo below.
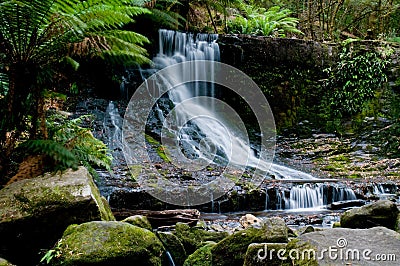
(109, 243)
(194, 237)
(232, 250)
(201, 257)
(139, 220)
(174, 246)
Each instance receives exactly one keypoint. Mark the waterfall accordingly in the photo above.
(220, 142)
(307, 196)
(197, 128)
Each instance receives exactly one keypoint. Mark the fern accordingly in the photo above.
(70, 145)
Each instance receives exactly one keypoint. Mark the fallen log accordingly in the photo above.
(162, 218)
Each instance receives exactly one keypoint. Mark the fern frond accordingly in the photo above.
(62, 157)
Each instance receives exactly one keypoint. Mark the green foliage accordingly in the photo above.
(53, 253)
(37, 36)
(353, 81)
(272, 22)
(70, 145)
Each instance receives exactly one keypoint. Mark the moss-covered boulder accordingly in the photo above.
(232, 250)
(195, 237)
(108, 243)
(3, 262)
(201, 257)
(380, 213)
(281, 254)
(174, 246)
(138, 220)
(35, 212)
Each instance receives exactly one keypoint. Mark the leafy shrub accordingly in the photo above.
(353, 81)
(70, 145)
(272, 22)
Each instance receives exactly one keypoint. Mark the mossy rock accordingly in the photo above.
(3, 262)
(193, 238)
(232, 250)
(108, 243)
(380, 213)
(139, 220)
(174, 246)
(264, 254)
(201, 257)
(398, 224)
(35, 212)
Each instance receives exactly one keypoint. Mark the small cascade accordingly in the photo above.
(112, 124)
(306, 196)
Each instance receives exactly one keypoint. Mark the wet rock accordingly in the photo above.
(201, 257)
(380, 213)
(35, 212)
(250, 220)
(231, 250)
(194, 237)
(264, 254)
(359, 246)
(308, 229)
(279, 254)
(138, 220)
(108, 243)
(345, 204)
(172, 243)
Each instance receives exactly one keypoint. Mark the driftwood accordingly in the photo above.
(161, 218)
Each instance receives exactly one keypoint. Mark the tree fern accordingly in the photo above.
(70, 145)
(36, 35)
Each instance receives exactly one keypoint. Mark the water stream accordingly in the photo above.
(206, 136)
(203, 132)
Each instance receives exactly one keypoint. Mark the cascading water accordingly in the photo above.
(308, 196)
(177, 47)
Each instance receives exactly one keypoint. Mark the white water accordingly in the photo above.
(224, 141)
(310, 196)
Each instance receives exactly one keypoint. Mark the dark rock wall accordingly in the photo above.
(290, 71)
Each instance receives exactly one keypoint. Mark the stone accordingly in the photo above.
(172, 243)
(232, 250)
(35, 212)
(3, 262)
(201, 257)
(108, 243)
(344, 246)
(193, 238)
(398, 223)
(380, 213)
(264, 254)
(249, 220)
(138, 220)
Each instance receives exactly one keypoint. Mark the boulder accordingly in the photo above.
(344, 246)
(193, 238)
(232, 250)
(201, 257)
(35, 212)
(138, 220)
(104, 243)
(380, 213)
(281, 254)
(172, 243)
(249, 220)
